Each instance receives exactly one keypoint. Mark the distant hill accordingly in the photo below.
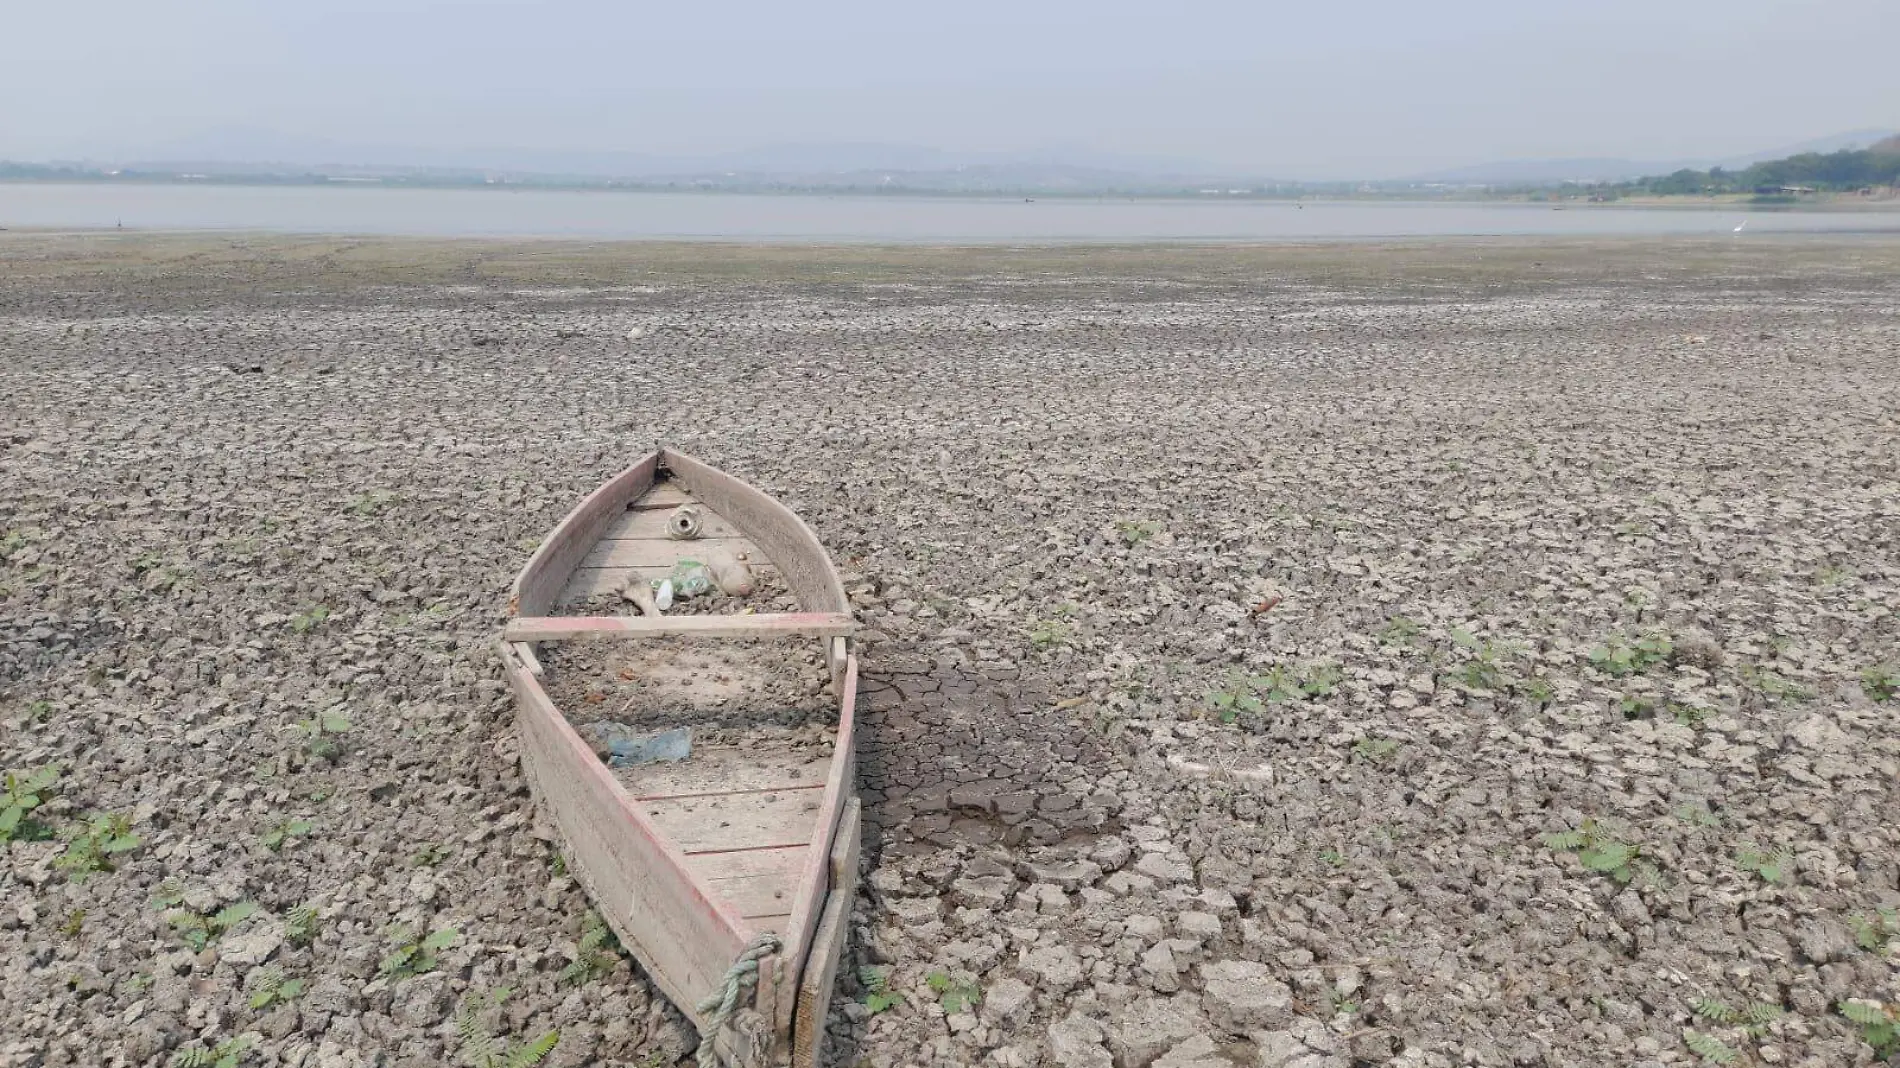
(1539, 172)
(253, 155)
(1788, 179)
(1835, 143)
(239, 148)
(1553, 171)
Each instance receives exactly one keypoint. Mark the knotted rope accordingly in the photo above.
(724, 998)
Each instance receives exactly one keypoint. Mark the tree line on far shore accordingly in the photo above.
(1845, 171)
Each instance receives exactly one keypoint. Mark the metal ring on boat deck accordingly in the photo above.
(683, 524)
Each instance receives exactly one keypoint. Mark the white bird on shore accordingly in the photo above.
(1738, 229)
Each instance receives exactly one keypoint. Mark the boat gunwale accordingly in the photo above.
(814, 883)
(628, 485)
(721, 492)
(533, 700)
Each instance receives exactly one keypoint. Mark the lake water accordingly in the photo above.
(719, 216)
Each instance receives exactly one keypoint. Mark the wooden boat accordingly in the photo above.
(748, 844)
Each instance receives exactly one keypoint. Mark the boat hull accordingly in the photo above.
(678, 867)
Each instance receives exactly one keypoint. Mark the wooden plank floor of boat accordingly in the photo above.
(636, 544)
(744, 818)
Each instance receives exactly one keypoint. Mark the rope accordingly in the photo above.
(725, 997)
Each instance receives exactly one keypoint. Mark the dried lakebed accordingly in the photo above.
(1569, 739)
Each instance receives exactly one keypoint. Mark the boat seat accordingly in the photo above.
(794, 624)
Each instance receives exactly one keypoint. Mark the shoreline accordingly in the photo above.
(797, 219)
(1834, 202)
(1112, 254)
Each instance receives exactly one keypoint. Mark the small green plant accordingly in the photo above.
(1873, 930)
(274, 989)
(1228, 703)
(75, 923)
(1048, 633)
(1600, 849)
(1698, 814)
(27, 791)
(430, 855)
(227, 1054)
(319, 734)
(157, 575)
(309, 619)
(1880, 682)
(1637, 706)
(1400, 630)
(1879, 1024)
(1774, 866)
(199, 931)
(1343, 1004)
(1773, 685)
(415, 955)
(1333, 857)
(276, 838)
(1278, 684)
(90, 846)
(1760, 1015)
(1832, 575)
(878, 995)
(302, 925)
(1375, 750)
(1485, 668)
(1691, 716)
(956, 993)
(1133, 532)
(1711, 1049)
(369, 503)
(483, 1048)
(1618, 655)
(1320, 680)
(1638, 599)
(593, 954)
(37, 711)
(1755, 1017)
(1538, 689)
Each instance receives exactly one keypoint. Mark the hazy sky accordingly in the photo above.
(1362, 88)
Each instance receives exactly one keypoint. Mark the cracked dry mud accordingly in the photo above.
(1570, 720)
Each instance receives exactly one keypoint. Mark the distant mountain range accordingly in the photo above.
(1547, 171)
(264, 155)
(264, 150)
